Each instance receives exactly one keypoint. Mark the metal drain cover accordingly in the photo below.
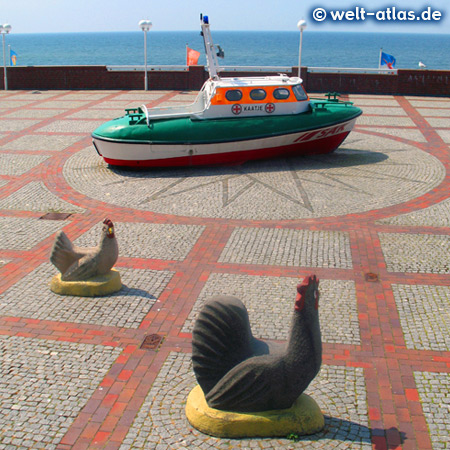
(372, 277)
(152, 341)
(55, 216)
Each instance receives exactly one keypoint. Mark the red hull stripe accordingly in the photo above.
(315, 147)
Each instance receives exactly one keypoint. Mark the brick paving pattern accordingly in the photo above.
(270, 305)
(340, 392)
(368, 173)
(419, 306)
(44, 386)
(288, 248)
(433, 391)
(127, 308)
(425, 253)
(149, 240)
(371, 220)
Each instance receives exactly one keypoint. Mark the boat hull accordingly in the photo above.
(135, 154)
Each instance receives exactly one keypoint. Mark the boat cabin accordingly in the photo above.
(234, 97)
(239, 97)
(259, 96)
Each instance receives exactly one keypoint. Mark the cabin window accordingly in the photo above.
(234, 95)
(281, 93)
(299, 92)
(258, 94)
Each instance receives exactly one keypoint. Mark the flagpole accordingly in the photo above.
(379, 59)
(9, 53)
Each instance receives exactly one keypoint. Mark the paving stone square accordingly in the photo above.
(43, 387)
(424, 312)
(270, 304)
(104, 114)
(416, 253)
(37, 96)
(381, 111)
(148, 240)
(117, 104)
(12, 103)
(444, 134)
(14, 165)
(63, 104)
(437, 215)
(35, 196)
(410, 134)
(34, 113)
(91, 96)
(40, 142)
(431, 103)
(32, 298)
(161, 423)
(16, 125)
(141, 96)
(439, 122)
(302, 248)
(72, 126)
(361, 101)
(385, 120)
(434, 392)
(24, 233)
(434, 112)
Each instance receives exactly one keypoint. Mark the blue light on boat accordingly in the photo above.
(205, 19)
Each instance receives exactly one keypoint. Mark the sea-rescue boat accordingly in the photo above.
(232, 120)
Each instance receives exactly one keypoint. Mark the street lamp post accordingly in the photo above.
(145, 26)
(301, 25)
(5, 29)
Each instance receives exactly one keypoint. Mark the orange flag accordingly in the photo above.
(192, 56)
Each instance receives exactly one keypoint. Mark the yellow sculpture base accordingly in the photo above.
(94, 287)
(304, 417)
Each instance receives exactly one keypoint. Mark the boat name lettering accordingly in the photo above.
(253, 108)
(321, 133)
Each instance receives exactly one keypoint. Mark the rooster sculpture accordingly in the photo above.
(238, 372)
(80, 264)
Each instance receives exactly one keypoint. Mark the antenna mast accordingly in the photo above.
(211, 57)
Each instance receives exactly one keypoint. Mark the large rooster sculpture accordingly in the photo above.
(80, 264)
(238, 372)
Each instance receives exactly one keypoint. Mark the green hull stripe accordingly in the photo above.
(209, 131)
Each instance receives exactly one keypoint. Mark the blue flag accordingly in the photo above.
(387, 60)
(13, 57)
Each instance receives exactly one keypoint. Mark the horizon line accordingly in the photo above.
(232, 31)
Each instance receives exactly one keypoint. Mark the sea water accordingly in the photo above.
(242, 48)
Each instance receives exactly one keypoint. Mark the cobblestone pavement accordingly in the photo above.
(371, 220)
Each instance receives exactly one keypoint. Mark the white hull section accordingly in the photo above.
(126, 151)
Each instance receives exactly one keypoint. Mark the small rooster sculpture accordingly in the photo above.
(80, 264)
(238, 372)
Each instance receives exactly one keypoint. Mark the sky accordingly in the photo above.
(41, 16)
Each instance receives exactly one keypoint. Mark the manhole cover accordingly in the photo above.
(55, 216)
(152, 341)
(372, 277)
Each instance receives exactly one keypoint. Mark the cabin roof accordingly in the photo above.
(280, 80)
